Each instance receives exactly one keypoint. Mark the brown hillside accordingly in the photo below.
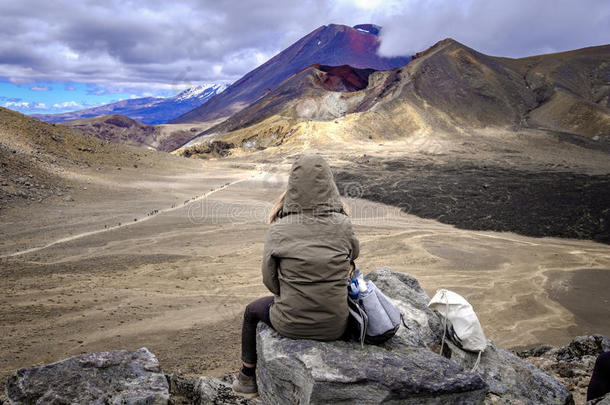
(124, 130)
(118, 129)
(41, 160)
(452, 85)
(572, 90)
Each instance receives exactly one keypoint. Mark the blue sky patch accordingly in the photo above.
(57, 97)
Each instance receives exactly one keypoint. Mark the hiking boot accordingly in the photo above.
(244, 384)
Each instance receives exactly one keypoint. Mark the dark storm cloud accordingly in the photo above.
(146, 42)
(167, 45)
(513, 28)
(16, 54)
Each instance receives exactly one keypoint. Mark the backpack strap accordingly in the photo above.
(444, 322)
(476, 364)
(454, 337)
(402, 319)
(358, 313)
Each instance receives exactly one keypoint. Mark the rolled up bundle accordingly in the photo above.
(383, 316)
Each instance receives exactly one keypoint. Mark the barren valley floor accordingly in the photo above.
(177, 273)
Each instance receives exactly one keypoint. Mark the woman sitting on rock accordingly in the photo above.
(306, 260)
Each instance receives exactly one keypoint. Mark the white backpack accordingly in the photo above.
(460, 321)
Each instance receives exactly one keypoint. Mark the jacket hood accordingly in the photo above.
(311, 187)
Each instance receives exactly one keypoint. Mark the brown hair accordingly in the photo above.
(278, 204)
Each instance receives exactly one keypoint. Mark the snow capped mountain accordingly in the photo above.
(202, 91)
(147, 110)
(370, 28)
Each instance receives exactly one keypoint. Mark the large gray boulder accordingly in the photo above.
(115, 377)
(404, 370)
(308, 372)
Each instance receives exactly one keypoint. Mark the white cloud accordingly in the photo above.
(17, 104)
(67, 104)
(25, 105)
(40, 88)
(68, 54)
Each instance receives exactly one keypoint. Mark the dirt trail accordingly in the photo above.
(146, 218)
(178, 281)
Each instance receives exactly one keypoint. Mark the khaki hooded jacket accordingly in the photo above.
(307, 255)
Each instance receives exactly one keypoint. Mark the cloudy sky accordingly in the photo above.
(64, 55)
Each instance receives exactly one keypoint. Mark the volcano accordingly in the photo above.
(330, 45)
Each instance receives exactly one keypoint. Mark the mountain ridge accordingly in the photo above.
(120, 129)
(146, 110)
(342, 45)
(452, 88)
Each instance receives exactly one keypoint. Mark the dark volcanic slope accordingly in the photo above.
(471, 196)
(343, 78)
(314, 81)
(332, 45)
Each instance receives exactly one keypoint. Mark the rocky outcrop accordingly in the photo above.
(404, 370)
(571, 364)
(115, 377)
(213, 148)
(308, 372)
(510, 379)
(204, 391)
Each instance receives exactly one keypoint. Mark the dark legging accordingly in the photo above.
(255, 311)
(600, 380)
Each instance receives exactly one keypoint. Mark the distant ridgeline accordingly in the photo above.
(448, 88)
(146, 110)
